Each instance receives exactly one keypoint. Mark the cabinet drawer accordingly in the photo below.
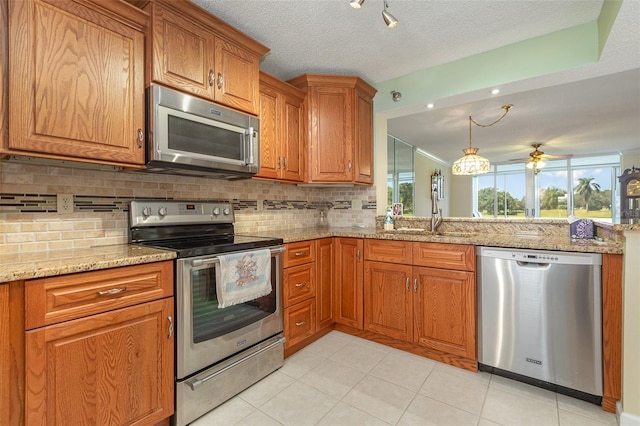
(445, 256)
(388, 251)
(56, 299)
(299, 253)
(299, 322)
(298, 284)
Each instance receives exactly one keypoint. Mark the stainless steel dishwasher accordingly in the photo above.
(540, 318)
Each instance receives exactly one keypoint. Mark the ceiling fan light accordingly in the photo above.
(540, 164)
(356, 4)
(471, 163)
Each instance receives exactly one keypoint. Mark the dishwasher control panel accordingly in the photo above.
(540, 256)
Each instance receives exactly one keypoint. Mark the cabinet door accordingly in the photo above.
(113, 368)
(292, 138)
(445, 311)
(331, 134)
(363, 139)
(182, 53)
(76, 81)
(324, 282)
(387, 299)
(349, 282)
(236, 77)
(270, 158)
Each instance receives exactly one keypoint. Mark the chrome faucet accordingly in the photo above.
(436, 213)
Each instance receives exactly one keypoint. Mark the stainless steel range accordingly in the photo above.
(219, 351)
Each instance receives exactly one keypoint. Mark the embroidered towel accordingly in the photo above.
(243, 276)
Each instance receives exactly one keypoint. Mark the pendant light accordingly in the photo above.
(356, 4)
(389, 20)
(472, 163)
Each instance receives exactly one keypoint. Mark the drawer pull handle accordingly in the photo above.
(302, 284)
(212, 78)
(170, 326)
(407, 283)
(220, 80)
(415, 285)
(111, 291)
(304, 322)
(299, 253)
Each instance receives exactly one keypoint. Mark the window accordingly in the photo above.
(400, 175)
(584, 187)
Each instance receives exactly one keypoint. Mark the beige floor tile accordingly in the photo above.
(403, 369)
(586, 409)
(379, 398)
(485, 422)
(424, 411)
(298, 405)
(266, 388)
(345, 415)
(480, 376)
(300, 363)
(328, 345)
(355, 355)
(523, 389)
(567, 418)
(333, 378)
(373, 345)
(510, 409)
(229, 413)
(461, 391)
(258, 418)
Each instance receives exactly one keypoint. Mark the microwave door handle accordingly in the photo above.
(249, 143)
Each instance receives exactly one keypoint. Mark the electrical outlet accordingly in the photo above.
(65, 203)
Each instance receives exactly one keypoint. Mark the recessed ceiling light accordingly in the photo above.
(430, 106)
(495, 91)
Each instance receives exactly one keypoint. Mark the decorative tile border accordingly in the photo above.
(47, 203)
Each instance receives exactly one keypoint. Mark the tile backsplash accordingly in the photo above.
(29, 220)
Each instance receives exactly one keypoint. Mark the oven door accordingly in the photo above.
(206, 334)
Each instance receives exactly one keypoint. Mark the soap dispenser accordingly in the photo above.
(388, 221)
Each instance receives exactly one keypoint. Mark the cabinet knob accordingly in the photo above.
(212, 77)
(301, 323)
(220, 80)
(140, 138)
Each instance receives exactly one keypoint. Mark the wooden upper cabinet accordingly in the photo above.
(281, 130)
(339, 128)
(195, 52)
(76, 81)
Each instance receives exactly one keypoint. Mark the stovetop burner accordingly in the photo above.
(190, 228)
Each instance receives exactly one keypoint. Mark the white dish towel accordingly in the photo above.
(243, 276)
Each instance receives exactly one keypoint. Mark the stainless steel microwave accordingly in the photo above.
(190, 136)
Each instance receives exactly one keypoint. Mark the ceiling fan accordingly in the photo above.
(538, 159)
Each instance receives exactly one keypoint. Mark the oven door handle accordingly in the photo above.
(214, 260)
(195, 384)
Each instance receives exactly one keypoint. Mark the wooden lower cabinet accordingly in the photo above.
(324, 282)
(112, 368)
(444, 307)
(300, 322)
(349, 284)
(388, 307)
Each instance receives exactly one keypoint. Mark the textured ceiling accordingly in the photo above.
(594, 108)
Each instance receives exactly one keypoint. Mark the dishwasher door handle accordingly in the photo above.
(532, 265)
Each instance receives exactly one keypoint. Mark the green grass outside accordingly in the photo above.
(562, 213)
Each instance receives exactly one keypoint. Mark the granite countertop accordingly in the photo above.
(23, 266)
(527, 241)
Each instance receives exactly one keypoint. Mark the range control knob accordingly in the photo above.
(162, 211)
(216, 211)
(226, 211)
(146, 212)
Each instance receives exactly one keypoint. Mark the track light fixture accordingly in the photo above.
(389, 20)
